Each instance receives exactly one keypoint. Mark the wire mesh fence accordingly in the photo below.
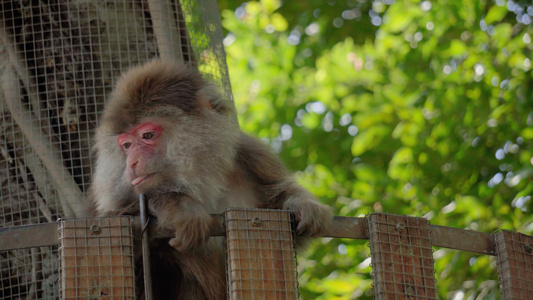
(260, 255)
(30, 273)
(59, 59)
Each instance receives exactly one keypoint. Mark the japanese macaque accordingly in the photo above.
(169, 134)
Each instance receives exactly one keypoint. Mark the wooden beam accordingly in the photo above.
(343, 227)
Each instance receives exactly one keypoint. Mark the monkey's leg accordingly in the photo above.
(205, 266)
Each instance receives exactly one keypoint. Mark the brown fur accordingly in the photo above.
(208, 166)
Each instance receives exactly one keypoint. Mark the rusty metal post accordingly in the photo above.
(515, 264)
(145, 248)
(261, 260)
(96, 258)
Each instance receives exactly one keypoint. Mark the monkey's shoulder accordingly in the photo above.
(257, 158)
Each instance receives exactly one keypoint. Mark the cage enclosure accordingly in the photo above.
(59, 60)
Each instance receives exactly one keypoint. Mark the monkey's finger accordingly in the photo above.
(305, 228)
(183, 245)
(310, 227)
(302, 231)
(301, 227)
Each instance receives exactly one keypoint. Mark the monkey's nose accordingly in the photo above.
(134, 165)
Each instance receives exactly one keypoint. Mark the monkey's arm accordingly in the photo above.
(277, 189)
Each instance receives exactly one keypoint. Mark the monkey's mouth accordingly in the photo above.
(140, 179)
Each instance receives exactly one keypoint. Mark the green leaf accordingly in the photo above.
(368, 139)
(496, 14)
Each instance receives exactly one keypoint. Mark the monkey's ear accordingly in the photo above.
(204, 103)
(209, 97)
(205, 97)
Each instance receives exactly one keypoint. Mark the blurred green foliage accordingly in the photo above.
(407, 107)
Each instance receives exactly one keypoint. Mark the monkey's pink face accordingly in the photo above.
(142, 145)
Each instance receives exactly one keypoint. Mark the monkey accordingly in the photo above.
(169, 133)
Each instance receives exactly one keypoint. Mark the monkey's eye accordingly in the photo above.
(126, 145)
(148, 135)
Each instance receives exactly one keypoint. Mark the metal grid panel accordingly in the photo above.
(515, 264)
(97, 258)
(261, 261)
(402, 261)
(29, 274)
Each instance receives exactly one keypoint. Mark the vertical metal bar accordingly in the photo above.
(165, 29)
(145, 249)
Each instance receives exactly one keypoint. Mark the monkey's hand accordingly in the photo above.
(312, 218)
(191, 227)
(188, 220)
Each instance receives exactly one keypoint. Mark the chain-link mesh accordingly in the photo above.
(402, 258)
(59, 59)
(261, 262)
